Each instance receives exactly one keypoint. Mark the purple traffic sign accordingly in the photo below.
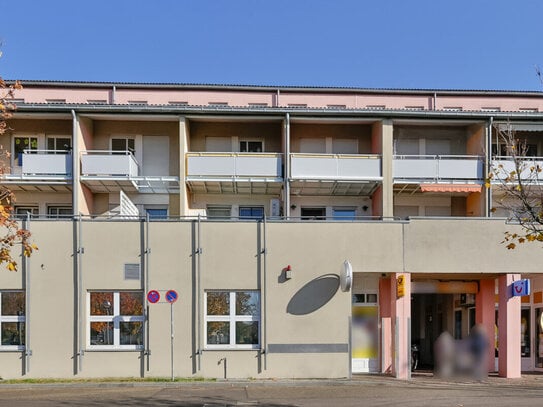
(153, 296)
(171, 296)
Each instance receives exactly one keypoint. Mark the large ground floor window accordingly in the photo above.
(232, 319)
(12, 320)
(115, 320)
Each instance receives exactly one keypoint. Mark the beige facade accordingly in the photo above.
(248, 202)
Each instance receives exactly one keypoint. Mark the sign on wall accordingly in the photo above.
(521, 287)
(400, 286)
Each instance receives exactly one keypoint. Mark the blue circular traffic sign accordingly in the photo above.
(171, 296)
(153, 296)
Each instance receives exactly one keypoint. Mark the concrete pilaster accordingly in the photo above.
(385, 304)
(401, 326)
(508, 328)
(387, 151)
(485, 314)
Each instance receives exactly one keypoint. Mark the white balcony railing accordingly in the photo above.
(335, 166)
(233, 165)
(503, 166)
(49, 163)
(108, 164)
(438, 167)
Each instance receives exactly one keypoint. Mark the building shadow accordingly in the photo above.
(314, 295)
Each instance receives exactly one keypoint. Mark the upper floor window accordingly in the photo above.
(251, 212)
(115, 320)
(156, 213)
(58, 144)
(57, 212)
(232, 319)
(251, 146)
(344, 213)
(219, 211)
(313, 213)
(123, 145)
(22, 144)
(22, 211)
(12, 320)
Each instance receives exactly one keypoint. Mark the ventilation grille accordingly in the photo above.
(131, 271)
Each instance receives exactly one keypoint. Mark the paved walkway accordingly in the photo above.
(362, 390)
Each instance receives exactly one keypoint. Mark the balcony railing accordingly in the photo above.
(335, 166)
(48, 163)
(438, 167)
(103, 163)
(234, 165)
(502, 166)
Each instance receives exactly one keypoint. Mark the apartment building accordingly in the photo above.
(247, 231)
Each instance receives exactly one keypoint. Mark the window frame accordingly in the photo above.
(116, 318)
(12, 319)
(251, 208)
(232, 318)
(247, 141)
(55, 139)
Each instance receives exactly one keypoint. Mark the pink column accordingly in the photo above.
(485, 314)
(385, 303)
(401, 327)
(508, 328)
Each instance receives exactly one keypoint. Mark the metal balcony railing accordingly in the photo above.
(438, 167)
(107, 163)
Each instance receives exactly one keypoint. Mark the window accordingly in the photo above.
(123, 145)
(21, 212)
(179, 103)
(219, 212)
(97, 101)
(58, 145)
(257, 104)
(20, 144)
(453, 108)
(137, 102)
(157, 213)
(55, 100)
(115, 320)
(313, 213)
(59, 211)
(12, 320)
(246, 146)
(232, 319)
(251, 212)
(344, 213)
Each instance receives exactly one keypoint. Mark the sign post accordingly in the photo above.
(171, 297)
(153, 296)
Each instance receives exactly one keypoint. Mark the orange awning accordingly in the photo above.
(450, 188)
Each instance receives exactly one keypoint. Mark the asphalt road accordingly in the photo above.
(361, 391)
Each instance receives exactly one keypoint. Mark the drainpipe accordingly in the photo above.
(286, 174)
(435, 101)
(75, 165)
(113, 95)
(27, 351)
(488, 158)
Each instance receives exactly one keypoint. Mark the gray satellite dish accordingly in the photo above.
(346, 276)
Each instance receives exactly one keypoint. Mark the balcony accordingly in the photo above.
(334, 174)
(503, 166)
(251, 173)
(41, 170)
(112, 171)
(439, 169)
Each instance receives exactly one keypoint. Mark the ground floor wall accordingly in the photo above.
(245, 299)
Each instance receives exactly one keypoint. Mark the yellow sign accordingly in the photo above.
(400, 286)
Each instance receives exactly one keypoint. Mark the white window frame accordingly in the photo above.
(247, 141)
(57, 209)
(14, 157)
(11, 319)
(57, 150)
(116, 318)
(232, 318)
(138, 145)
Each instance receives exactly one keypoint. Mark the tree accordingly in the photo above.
(518, 179)
(12, 233)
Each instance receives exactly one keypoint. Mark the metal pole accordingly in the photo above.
(171, 337)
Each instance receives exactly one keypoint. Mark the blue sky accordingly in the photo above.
(461, 44)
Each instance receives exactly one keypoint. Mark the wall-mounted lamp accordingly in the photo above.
(288, 272)
(293, 206)
(365, 208)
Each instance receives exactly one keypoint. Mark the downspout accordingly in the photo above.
(286, 174)
(75, 164)
(435, 101)
(27, 351)
(113, 95)
(488, 158)
(144, 265)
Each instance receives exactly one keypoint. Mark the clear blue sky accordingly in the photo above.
(465, 44)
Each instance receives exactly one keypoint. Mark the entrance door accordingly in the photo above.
(365, 333)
